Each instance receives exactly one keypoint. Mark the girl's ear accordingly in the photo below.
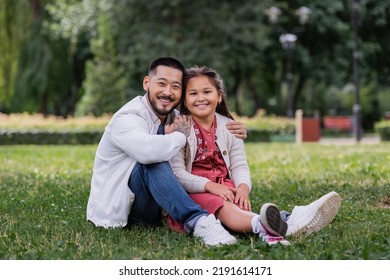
(219, 99)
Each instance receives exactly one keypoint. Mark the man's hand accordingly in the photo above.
(238, 129)
(181, 124)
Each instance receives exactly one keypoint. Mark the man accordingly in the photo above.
(132, 179)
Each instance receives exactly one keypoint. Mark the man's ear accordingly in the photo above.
(146, 83)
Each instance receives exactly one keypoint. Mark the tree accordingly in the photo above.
(119, 38)
(50, 67)
(105, 83)
(31, 78)
(225, 35)
(13, 18)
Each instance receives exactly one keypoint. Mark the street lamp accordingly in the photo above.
(288, 39)
(356, 69)
(288, 44)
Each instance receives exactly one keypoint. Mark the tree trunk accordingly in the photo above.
(43, 105)
(73, 87)
(234, 91)
(297, 92)
(255, 95)
(36, 7)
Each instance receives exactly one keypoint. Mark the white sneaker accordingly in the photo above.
(315, 216)
(212, 232)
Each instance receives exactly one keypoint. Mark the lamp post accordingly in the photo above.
(356, 69)
(288, 44)
(288, 39)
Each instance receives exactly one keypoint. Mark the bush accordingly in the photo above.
(24, 121)
(257, 135)
(273, 124)
(38, 129)
(262, 128)
(41, 137)
(383, 129)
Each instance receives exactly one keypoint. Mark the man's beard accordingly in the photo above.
(161, 112)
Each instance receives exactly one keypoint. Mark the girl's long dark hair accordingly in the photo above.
(215, 79)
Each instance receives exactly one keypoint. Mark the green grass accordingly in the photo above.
(44, 192)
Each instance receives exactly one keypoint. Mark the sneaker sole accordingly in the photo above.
(325, 215)
(273, 222)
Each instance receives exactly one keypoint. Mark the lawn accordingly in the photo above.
(44, 192)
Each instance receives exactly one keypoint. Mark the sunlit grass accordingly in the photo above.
(44, 192)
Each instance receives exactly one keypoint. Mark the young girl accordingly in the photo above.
(212, 167)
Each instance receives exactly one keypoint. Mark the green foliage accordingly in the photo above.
(383, 129)
(72, 19)
(105, 82)
(13, 22)
(100, 50)
(375, 39)
(36, 129)
(52, 123)
(44, 192)
(44, 137)
(227, 36)
(280, 125)
(374, 101)
(32, 77)
(50, 67)
(16, 129)
(262, 128)
(258, 135)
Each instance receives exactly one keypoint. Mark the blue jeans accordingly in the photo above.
(155, 187)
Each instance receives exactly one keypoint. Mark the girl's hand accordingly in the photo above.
(220, 190)
(242, 197)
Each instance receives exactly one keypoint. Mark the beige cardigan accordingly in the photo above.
(233, 153)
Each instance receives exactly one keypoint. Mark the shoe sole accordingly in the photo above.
(325, 215)
(273, 222)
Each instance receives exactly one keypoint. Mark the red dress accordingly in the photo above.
(208, 163)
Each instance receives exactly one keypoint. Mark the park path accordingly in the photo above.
(366, 140)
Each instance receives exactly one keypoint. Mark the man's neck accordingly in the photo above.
(162, 119)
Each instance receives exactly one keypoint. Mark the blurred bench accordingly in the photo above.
(337, 123)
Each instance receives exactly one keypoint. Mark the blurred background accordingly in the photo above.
(88, 57)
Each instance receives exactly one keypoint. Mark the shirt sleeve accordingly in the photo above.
(130, 133)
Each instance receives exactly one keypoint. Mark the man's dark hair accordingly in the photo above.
(166, 61)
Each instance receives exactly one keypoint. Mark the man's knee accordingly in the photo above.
(163, 168)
